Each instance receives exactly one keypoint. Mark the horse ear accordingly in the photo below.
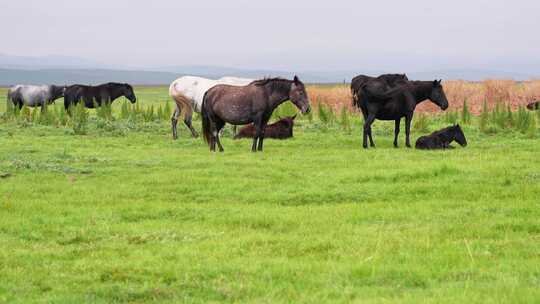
(296, 80)
(435, 82)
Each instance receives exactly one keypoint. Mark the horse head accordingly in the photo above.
(437, 95)
(299, 96)
(459, 136)
(127, 91)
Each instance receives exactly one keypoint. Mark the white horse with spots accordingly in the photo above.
(34, 95)
(188, 93)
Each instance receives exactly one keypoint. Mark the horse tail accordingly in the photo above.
(207, 132)
(354, 98)
(8, 100)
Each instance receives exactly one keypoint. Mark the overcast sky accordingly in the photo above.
(279, 34)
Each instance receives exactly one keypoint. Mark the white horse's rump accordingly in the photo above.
(188, 93)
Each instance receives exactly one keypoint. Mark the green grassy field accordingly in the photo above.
(133, 216)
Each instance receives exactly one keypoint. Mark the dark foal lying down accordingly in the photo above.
(281, 129)
(442, 139)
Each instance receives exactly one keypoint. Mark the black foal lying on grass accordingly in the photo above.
(442, 139)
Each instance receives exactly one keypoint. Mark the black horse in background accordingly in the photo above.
(239, 105)
(396, 103)
(385, 81)
(96, 95)
(442, 139)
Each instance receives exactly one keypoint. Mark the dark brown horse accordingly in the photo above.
(254, 103)
(399, 102)
(442, 139)
(281, 129)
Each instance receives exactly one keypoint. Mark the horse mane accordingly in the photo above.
(274, 84)
(115, 84)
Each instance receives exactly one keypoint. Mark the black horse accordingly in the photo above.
(396, 103)
(96, 95)
(386, 81)
(442, 139)
(239, 105)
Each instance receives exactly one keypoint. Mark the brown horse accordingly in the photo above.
(281, 129)
(254, 103)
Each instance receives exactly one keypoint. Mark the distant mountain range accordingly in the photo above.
(69, 70)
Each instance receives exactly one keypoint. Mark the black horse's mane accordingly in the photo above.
(115, 84)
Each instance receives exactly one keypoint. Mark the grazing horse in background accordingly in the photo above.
(96, 95)
(253, 103)
(442, 139)
(188, 92)
(281, 129)
(533, 106)
(34, 96)
(385, 81)
(399, 102)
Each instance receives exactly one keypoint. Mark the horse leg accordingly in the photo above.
(367, 128)
(257, 122)
(214, 137)
(371, 142)
(408, 120)
(219, 126)
(174, 121)
(261, 136)
(45, 105)
(187, 120)
(369, 132)
(396, 132)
